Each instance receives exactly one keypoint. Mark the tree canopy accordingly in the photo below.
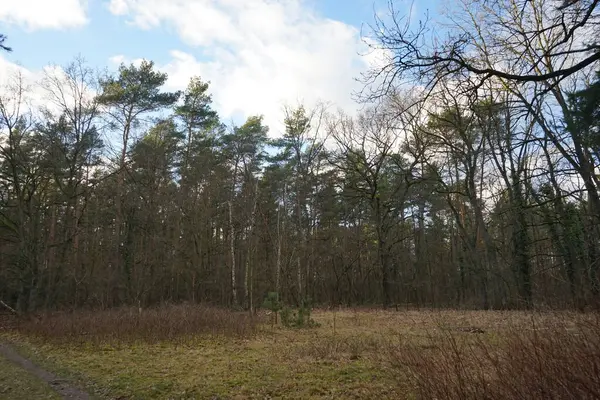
(469, 178)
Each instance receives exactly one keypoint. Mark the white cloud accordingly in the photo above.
(258, 54)
(376, 56)
(118, 7)
(44, 14)
(117, 59)
(42, 89)
(9, 69)
(13, 76)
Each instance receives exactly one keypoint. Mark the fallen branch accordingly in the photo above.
(9, 308)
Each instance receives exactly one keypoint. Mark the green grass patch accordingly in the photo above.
(213, 367)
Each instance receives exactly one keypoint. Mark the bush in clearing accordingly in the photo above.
(300, 318)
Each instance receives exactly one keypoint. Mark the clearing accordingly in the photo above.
(350, 354)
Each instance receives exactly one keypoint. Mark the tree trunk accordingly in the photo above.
(251, 247)
(278, 261)
(232, 255)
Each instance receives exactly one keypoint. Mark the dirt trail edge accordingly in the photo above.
(61, 386)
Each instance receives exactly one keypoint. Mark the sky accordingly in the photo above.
(257, 54)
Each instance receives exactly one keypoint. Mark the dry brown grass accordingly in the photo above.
(168, 322)
(527, 356)
(339, 348)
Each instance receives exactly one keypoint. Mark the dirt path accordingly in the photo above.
(61, 386)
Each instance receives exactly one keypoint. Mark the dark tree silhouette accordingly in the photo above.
(2, 45)
(422, 54)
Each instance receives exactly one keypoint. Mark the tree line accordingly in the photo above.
(478, 187)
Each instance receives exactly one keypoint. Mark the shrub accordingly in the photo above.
(557, 362)
(287, 316)
(273, 304)
(165, 322)
(299, 318)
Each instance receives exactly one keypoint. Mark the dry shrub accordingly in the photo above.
(165, 322)
(538, 362)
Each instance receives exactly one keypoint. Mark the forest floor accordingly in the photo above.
(351, 354)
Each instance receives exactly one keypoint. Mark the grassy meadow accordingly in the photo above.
(188, 352)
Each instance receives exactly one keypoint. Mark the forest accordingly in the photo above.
(469, 178)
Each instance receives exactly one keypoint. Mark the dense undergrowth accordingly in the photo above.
(163, 323)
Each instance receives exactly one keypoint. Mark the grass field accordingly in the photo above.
(15, 384)
(350, 354)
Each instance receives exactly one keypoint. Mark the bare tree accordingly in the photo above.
(368, 155)
(486, 39)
